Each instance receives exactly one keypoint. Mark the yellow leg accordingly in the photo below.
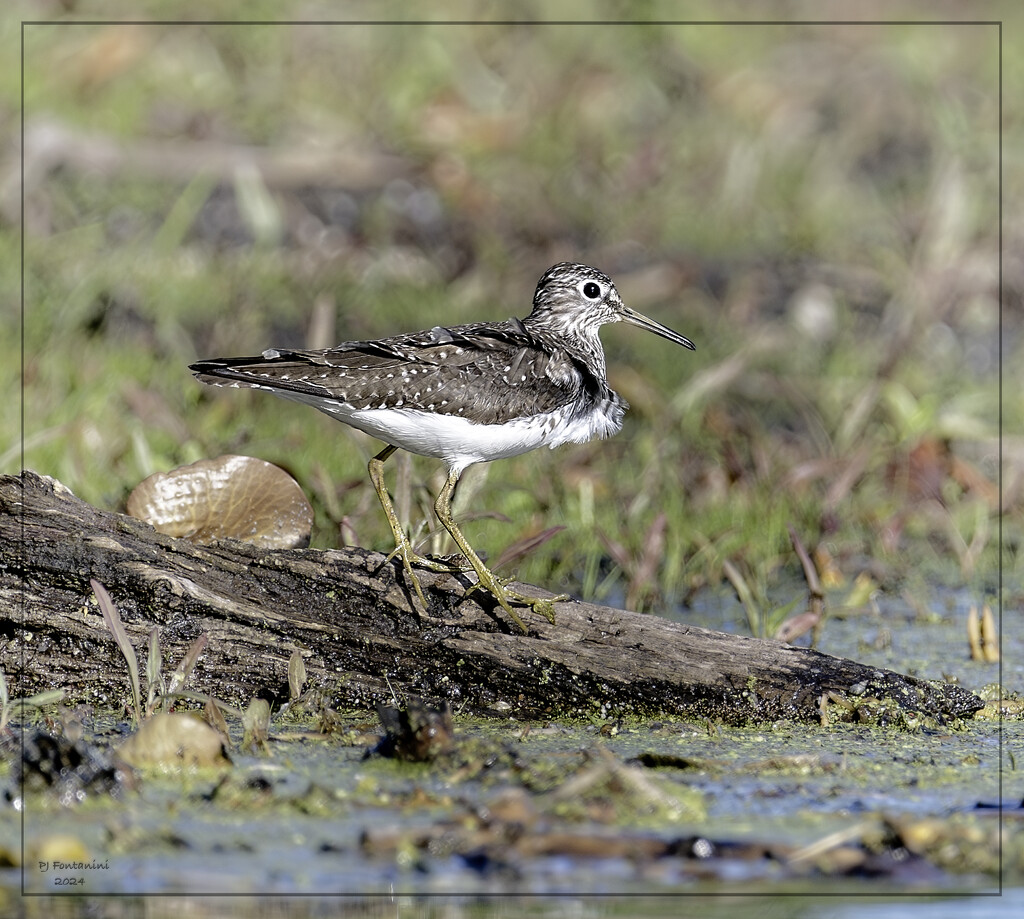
(493, 585)
(402, 545)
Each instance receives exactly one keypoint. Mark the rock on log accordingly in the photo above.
(351, 615)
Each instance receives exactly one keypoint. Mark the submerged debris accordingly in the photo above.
(416, 733)
(69, 769)
(174, 740)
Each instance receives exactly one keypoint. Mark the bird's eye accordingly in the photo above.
(592, 290)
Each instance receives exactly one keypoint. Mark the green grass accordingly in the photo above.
(821, 202)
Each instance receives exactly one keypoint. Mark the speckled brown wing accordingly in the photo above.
(488, 373)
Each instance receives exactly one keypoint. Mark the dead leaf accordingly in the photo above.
(236, 497)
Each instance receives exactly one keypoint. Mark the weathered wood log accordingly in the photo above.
(351, 614)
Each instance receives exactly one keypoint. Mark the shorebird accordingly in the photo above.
(465, 394)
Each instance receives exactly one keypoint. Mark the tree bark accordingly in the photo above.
(350, 613)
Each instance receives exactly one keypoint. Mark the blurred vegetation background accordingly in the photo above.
(815, 206)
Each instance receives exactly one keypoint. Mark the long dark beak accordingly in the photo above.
(639, 319)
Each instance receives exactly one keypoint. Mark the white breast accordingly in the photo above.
(460, 442)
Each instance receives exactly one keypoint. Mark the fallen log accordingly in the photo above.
(350, 614)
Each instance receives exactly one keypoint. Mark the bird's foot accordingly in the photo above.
(410, 558)
(495, 586)
(498, 588)
(456, 561)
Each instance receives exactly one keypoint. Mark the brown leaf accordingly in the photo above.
(235, 497)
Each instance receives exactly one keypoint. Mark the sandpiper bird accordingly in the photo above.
(466, 394)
